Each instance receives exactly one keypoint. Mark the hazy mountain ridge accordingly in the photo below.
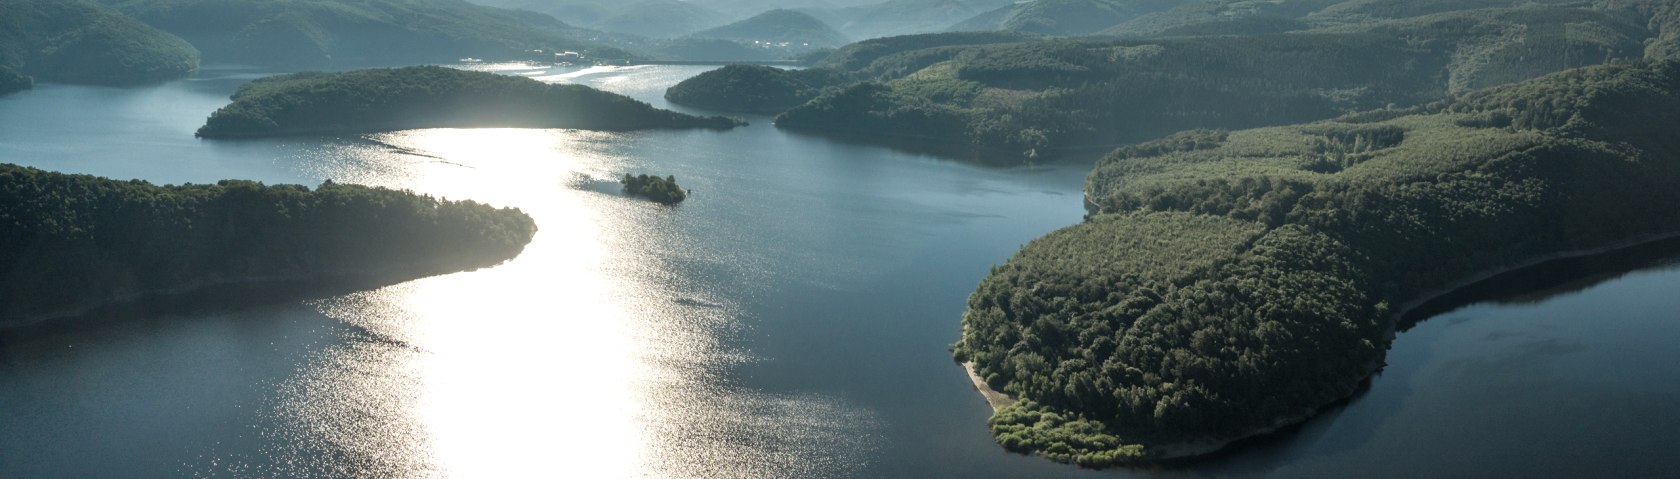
(304, 34)
(77, 41)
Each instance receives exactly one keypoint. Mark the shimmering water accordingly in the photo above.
(790, 320)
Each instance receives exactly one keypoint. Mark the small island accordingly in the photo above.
(1228, 284)
(389, 99)
(76, 243)
(661, 190)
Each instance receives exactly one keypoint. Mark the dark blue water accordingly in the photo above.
(790, 320)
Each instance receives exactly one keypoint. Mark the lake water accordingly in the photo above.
(791, 319)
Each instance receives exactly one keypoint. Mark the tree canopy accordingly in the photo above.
(69, 242)
(1227, 283)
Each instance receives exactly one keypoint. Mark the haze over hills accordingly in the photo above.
(77, 41)
(1063, 17)
(302, 34)
(777, 27)
(904, 17)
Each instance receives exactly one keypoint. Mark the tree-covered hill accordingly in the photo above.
(1230, 283)
(1024, 101)
(74, 242)
(910, 17)
(300, 34)
(769, 90)
(779, 26)
(77, 41)
(1063, 17)
(754, 89)
(429, 97)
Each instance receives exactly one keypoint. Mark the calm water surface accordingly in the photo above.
(790, 320)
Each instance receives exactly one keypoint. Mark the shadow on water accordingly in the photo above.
(1535, 284)
(213, 300)
(1548, 280)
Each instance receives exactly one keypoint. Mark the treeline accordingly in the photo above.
(430, 97)
(77, 41)
(1229, 283)
(69, 242)
(753, 89)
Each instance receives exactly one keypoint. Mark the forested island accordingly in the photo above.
(1230, 283)
(77, 41)
(1011, 98)
(72, 243)
(661, 190)
(430, 97)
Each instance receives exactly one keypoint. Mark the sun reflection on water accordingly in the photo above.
(583, 357)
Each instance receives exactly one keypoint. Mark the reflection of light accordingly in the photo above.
(530, 361)
(586, 356)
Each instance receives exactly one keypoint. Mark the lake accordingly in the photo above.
(791, 319)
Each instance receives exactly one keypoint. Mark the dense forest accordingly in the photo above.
(1227, 283)
(753, 89)
(1009, 98)
(77, 41)
(70, 242)
(660, 190)
(13, 82)
(304, 34)
(771, 90)
(429, 97)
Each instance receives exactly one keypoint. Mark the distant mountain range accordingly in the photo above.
(777, 27)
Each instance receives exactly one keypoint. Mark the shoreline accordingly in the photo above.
(1191, 450)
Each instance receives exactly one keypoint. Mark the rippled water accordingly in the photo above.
(790, 320)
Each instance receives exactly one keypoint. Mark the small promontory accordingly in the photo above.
(75, 243)
(390, 99)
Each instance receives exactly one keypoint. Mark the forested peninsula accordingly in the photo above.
(77, 41)
(430, 97)
(72, 243)
(1230, 283)
(1010, 99)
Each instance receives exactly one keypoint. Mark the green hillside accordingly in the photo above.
(301, 34)
(74, 242)
(1231, 283)
(1020, 102)
(76, 41)
(1063, 17)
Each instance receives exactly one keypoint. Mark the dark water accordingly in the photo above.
(790, 320)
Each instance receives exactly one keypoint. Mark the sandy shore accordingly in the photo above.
(997, 399)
